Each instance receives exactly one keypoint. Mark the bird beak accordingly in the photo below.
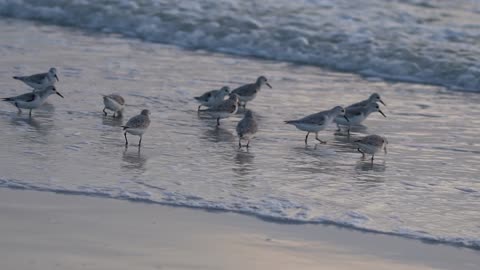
(59, 94)
(268, 85)
(382, 113)
(57, 78)
(346, 118)
(381, 101)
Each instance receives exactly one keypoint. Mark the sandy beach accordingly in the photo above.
(73, 197)
(53, 231)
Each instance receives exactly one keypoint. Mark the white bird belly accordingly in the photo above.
(37, 102)
(309, 127)
(354, 120)
(135, 131)
(112, 105)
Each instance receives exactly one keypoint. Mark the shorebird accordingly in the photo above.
(114, 103)
(357, 115)
(372, 144)
(32, 100)
(372, 99)
(248, 92)
(225, 109)
(137, 125)
(213, 98)
(246, 128)
(318, 121)
(40, 81)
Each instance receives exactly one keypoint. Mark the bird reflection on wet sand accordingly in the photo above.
(134, 160)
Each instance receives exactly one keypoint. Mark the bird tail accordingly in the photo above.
(7, 99)
(197, 98)
(290, 122)
(16, 77)
(124, 127)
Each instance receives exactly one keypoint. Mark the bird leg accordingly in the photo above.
(363, 154)
(199, 108)
(316, 137)
(140, 141)
(248, 143)
(373, 157)
(306, 137)
(30, 113)
(126, 141)
(104, 112)
(19, 110)
(218, 121)
(239, 142)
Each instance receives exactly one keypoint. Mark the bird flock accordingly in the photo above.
(218, 106)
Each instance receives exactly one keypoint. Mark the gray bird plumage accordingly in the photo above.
(41, 80)
(317, 122)
(137, 125)
(246, 128)
(113, 103)
(248, 92)
(225, 109)
(375, 97)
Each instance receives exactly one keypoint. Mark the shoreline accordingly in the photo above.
(268, 219)
(56, 231)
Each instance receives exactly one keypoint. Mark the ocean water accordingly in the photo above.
(427, 187)
(426, 41)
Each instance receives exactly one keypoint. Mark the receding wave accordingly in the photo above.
(268, 211)
(432, 42)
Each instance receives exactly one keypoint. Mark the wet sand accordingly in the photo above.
(52, 231)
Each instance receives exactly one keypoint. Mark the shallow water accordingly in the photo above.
(427, 186)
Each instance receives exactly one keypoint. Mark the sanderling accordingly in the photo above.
(246, 128)
(357, 115)
(40, 81)
(372, 99)
(137, 125)
(371, 144)
(113, 103)
(213, 98)
(318, 121)
(225, 109)
(32, 100)
(248, 92)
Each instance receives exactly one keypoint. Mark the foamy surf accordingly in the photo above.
(396, 40)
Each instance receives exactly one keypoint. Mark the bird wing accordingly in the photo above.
(37, 78)
(139, 121)
(27, 97)
(316, 119)
(118, 99)
(358, 104)
(247, 126)
(206, 96)
(246, 90)
(226, 106)
(373, 140)
(353, 111)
